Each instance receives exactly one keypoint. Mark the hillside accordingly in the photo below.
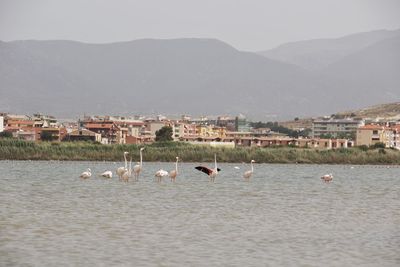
(319, 53)
(390, 110)
(188, 76)
(197, 76)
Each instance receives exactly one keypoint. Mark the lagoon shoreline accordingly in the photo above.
(11, 149)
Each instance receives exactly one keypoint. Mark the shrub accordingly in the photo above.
(363, 147)
(6, 135)
(378, 145)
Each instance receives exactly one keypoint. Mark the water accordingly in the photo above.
(285, 216)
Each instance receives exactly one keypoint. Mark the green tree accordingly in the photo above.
(378, 145)
(6, 135)
(164, 134)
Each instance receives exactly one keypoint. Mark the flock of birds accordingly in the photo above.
(125, 173)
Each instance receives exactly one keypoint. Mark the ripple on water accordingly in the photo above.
(285, 215)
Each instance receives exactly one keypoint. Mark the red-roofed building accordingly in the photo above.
(109, 131)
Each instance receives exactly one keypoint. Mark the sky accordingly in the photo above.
(249, 25)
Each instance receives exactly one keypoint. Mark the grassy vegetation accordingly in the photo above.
(11, 149)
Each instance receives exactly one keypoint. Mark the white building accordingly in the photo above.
(1, 124)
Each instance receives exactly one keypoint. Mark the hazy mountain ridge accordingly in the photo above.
(183, 75)
(195, 76)
(317, 54)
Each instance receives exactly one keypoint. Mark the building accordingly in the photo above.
(210, 131)
(57, 134)
(109, 131)
(370, 134)
(44, 121)
(181, 129)
(153, 126)
(335, 127)
(27, 135)
(1, 124)
(227, 122)
(241, 124)
(82, 135)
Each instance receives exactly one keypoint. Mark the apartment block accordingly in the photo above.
(335, 127)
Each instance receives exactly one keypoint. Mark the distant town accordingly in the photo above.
(223, 131)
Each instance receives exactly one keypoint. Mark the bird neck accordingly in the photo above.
(141, 158)
(126, 163)
(176, 166)
(251, 166)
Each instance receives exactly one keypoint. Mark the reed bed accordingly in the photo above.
(12, 149)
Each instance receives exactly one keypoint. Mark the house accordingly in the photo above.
(371, 134)
(154, 126)
(82, 135)
(210, 131)
(44, 121)
(109, 131)
(181, 129)
(27, 135)
(16, 124)
(142, 139)
(57, 134)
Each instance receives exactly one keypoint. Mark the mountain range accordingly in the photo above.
(199, 77)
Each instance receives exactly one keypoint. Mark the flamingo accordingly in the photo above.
(249, 173)
(128, 173)
(160, 174)
(327, 177)
(86, 174)
(122, 170)
(212, 173)
(174, 173)
(138, 167)
(106, 174)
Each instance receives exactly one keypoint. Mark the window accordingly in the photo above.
(375, 132)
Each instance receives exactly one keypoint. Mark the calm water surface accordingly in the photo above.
(285, 216)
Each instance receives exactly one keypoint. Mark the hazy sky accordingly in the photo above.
(245, 24)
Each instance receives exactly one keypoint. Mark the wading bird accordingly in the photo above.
(128, 173)
(174, 173)
(138, 167)
(106, 174)
(249, 173)
(327, 177)
(212, 173)
(86, 174)
(122, 170)
(160, 174)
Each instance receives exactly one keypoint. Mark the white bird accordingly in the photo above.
(212, 173)
(327, 177)
(174, 173)
(160, 174)
(86, 174)
(138, 167)
(128, 173)
(122, 170)
(249, 173)
(106, 174)
(236, 167)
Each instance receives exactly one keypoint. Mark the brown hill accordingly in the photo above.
(389, 111)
